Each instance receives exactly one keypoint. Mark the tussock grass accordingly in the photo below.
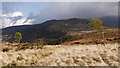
(63, 55)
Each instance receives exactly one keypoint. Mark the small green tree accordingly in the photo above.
(97, 25)
(18, 37)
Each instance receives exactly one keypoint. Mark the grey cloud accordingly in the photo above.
(31, 15)
(65, 10)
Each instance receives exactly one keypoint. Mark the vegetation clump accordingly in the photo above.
(97, 25)
(18, 37)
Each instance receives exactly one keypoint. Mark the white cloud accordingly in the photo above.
(14, 19)
(12, 14)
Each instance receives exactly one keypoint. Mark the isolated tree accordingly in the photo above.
(97, 25)
(18, 37)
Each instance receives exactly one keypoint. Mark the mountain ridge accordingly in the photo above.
(51, 30)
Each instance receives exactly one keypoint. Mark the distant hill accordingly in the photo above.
(52, 31)
(110, 21)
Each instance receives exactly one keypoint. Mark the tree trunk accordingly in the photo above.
(103, 37)
(19, 41)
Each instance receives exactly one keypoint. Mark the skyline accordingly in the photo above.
(43, 11)
(37, 7)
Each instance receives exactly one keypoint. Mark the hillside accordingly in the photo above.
(49, 31)
(94, 37)
(55, 31)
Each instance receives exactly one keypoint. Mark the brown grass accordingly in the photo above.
(61, 55)
(111, 36)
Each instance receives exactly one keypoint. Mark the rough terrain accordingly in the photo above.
(63, 55)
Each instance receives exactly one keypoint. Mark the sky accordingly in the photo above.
(59, 0)
(38, 7)
(24, 7)
(43, 11)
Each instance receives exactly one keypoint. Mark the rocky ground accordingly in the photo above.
(63, 55)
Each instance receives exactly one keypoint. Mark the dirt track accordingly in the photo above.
(61, 55)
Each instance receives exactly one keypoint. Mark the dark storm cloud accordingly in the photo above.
(65, 10)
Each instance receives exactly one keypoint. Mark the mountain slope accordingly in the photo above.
(52, 30)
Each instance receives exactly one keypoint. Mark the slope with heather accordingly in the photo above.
(95, 37)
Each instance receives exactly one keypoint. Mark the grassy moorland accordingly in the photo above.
(62, 55)
(68, 53)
